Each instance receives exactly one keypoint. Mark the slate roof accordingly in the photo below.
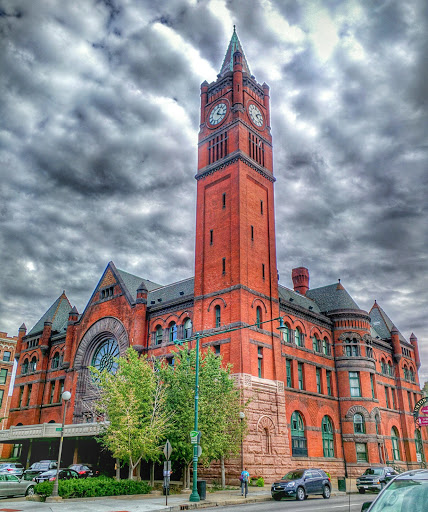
(132, 283)
(171, 292)
(57, 314)
(234, 45)
(287, 295)
(382, 323)
(331, 298)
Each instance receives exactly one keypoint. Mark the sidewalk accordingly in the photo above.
(140, 503)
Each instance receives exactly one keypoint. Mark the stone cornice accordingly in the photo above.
(304, 313)
(234, 288)
(184, 303)
(236, 156)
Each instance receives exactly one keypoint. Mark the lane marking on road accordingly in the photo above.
(10, 509)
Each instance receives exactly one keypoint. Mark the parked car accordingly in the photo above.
(63, 474)
(406, 492)
(375, 479)
(13, 468)
(39, 467)
(83, 470)
(299, 483)
(11, 485)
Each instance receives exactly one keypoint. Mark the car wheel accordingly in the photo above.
(276, 497)
(30, 491)
(300, 494)
(326, 492)
(361, 491)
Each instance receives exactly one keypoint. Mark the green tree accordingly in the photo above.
(219, 407)
(425, 389)
(133, 402)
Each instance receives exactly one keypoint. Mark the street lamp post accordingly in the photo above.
(241, 417)
(65, 398)
(195, 495)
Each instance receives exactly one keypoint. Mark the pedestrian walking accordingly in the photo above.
(245, 477)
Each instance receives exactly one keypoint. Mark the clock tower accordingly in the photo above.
(236, 281)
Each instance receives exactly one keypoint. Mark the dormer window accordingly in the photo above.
(107, 292)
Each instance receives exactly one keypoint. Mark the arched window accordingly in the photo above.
(395, 445)
(106, 355)
(359, 427)
(326, 347)
(33, 364)
(377, 421)
(298, 439)
(327, 437)
(389, 368)
(298, 337)
(369, 349)
(55, 361)
(315, 344)
(187, 328)
(258, 316)
(266, 441)
(217, 313)
(383, 366)
(172, 331)
(352, 348)
(158, 335)
(286, 333)
(411, 375)
(25, 366)
(406, 373)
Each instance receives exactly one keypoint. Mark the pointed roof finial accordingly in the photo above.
(234, 46)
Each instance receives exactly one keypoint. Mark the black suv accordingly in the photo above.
(39, 467)
(299, 483)
(375, 479)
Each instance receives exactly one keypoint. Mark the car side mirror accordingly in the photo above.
(366, 506)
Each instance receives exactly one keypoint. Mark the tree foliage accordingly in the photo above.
(133, 402)
(219, 406)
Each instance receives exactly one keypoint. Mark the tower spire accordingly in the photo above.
(234, 46)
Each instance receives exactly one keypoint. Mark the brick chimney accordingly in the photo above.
(300, 277)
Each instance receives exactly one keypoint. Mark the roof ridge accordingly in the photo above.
(173, 284)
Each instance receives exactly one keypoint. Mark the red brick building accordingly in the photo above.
(335, 390)
(7, 357)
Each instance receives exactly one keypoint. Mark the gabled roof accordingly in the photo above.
(382, 323)
(234, 45)
(171, 292)
(57, 314)
(331, 298)
(132, 283)
(287, 295)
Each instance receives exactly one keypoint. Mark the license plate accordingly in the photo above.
(365, 486)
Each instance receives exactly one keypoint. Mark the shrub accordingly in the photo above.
(260, 482)
(92, 487)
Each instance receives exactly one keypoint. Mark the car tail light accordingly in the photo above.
(82, 472)
(52, 479)
(9, 469)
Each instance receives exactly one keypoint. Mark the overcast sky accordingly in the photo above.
(99, 115)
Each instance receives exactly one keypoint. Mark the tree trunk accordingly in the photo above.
(130, 471)
(185, 481)
(152, 474)
(188, 475)
(223, 472)
(117, 469)
(138, 477)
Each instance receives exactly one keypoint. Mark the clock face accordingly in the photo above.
(217, 113)
(255, 115)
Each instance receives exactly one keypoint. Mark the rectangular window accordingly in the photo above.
(288, 371)
(30, 387)
(354, 383)
(217, 350)
(52, 395)
(386, 397)
(224, 265)
(328, 375)
(372, 385)
(263, 271)
(252, 232)
(224, 201)
(300, 374)
(256, 149)
(1, 396)
(259, 361)
(409, 398)
(6, 355)
(21, 392)
(3, 375)
(211, 236)
(318, 380)
(61, 387)
(261, 207)
(361, 449)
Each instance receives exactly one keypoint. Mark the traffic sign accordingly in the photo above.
(167, 449)
(194, 434)
(424, 409)
(58, 429)
(423, 421)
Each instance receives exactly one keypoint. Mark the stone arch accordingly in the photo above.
(215, 299)
(357, 409)
(102, 330)
(265, 422)
(259, 301)
(350, 335)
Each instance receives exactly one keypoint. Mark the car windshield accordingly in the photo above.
(373, 471)
(50, 472)
(40, 466)
(293, 475)
(403, 495)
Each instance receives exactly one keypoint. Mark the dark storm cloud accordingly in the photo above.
(99, 115)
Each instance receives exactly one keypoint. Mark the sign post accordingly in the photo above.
(167, 449)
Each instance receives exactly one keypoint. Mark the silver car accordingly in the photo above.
(11, 485)
(13, 468)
